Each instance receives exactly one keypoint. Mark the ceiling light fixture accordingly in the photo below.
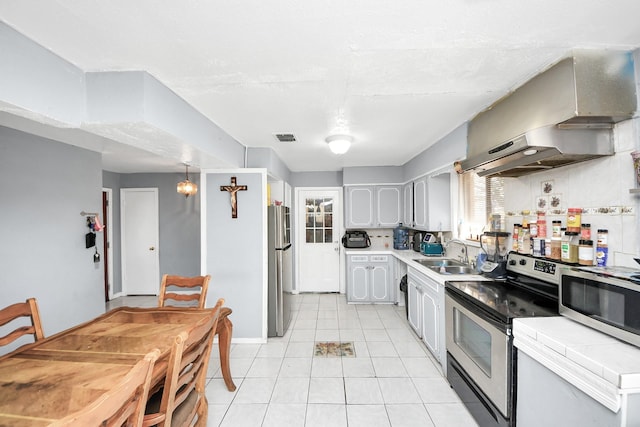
(339, 144)
(187, 187)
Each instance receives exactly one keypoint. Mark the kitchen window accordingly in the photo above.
(319, 220)
(480, 197)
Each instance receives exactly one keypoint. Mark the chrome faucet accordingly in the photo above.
(465, 250)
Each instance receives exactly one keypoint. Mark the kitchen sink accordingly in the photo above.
(453, 269)
(439, 262)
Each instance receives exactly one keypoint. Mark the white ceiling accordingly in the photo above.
(396, 75)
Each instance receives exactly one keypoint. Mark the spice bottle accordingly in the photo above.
(556, 248)
(602, 247)
(585, 252)
(573, 219)
(585, 231)
(547, 248)
(555, 228)
(533, 229)
(516, 232)
(524, 241)
(570, 243)
(603, 237)
(542, 224)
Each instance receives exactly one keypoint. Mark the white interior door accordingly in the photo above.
(140, 236)
(318, 231)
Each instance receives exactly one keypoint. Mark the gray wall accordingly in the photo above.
(316, 179)
(36, 79)
(443, 153)
(267, 158)
(235, 250)
(179, 222)
(44, 185)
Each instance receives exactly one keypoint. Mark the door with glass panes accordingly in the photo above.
(318, 237)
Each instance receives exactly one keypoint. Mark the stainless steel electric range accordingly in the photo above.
(481, 359)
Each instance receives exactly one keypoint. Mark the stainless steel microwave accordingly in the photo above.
(603, 302)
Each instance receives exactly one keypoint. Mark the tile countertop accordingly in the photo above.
(598, 364)
(408, 256)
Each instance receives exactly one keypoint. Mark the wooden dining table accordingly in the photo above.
(49, 379)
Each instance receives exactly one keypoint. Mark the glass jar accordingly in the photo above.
(570, 243)
(585, 252)
(555, 228)
(573, 219)
(585, 231)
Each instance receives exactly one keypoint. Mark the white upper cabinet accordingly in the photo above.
(432, 202)
(423, 204)
(407, 204)
(373, 206)
(359, 207)
(420, 203)
(388, 206)
(439, 202)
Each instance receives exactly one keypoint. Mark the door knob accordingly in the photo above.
(152, 248)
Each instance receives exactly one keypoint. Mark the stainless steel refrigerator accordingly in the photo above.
(280, 270)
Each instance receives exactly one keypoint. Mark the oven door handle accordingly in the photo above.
(475, 309)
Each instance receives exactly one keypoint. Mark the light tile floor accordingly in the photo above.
(391, 381)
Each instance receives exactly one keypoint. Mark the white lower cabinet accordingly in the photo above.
(431, 323)
(369, 279)
(415, 303)
(426, 312)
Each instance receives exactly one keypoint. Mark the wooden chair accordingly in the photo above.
(29, 308)
(198, 286)
(123, 405)
(182, 399)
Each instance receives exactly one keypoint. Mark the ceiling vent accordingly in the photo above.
(286, 137)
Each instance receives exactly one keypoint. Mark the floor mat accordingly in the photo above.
(334, 349)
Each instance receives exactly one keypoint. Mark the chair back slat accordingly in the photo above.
(123, 405)
(186, 373)
(195, 290)
(27, 309)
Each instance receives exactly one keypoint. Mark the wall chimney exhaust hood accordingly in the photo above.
(562, 116)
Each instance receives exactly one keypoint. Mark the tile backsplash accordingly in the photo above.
(381, 238)
(600, 186)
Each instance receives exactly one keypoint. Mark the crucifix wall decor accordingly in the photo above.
(233, 190)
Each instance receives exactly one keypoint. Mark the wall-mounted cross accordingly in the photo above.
(233, 189)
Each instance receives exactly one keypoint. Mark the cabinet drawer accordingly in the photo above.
(379, 258)
(359, 258)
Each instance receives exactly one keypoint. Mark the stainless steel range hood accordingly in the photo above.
(562, 116)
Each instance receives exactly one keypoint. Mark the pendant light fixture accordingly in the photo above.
(339, 144)
(187, 187)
